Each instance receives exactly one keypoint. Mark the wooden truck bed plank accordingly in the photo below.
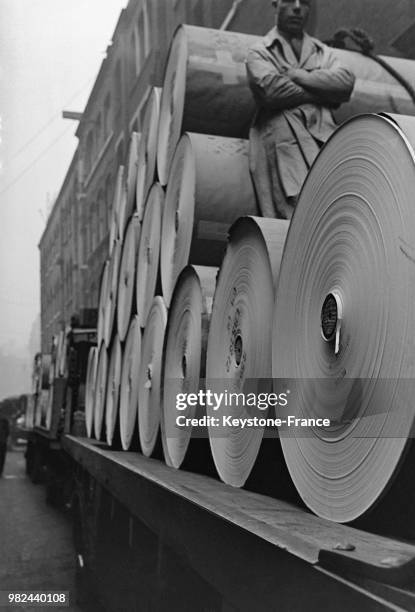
(292, 529)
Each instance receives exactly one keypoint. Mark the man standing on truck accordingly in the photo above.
(4, 434)
(296, 81)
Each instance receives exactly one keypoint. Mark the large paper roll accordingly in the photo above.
(113, 389)
(132, 169)
(91, 374)
(204, 89)
(126, 280)
(198, 214)
(344, 317)
(149, 253)
(117, 203)
(149, 389)
(112, 288)
(129, 383)
(100, 390)
(102, 304)
(185, 354)
(239, 344)
(148, 150)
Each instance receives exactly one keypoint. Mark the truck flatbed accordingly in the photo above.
(251, 547)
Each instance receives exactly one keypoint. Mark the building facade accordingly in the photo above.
(60, 259)
(75, 243)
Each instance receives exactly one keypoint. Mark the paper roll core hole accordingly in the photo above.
(238, 349)
(329, 317)
(184, 366)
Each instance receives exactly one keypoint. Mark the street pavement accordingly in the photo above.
(36, 551)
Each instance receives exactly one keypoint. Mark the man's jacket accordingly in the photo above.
(294, 100)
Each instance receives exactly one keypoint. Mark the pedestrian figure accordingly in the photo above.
(4, 434)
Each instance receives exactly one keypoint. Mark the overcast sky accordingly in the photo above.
(50, 53)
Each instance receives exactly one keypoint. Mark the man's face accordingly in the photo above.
(291, 15)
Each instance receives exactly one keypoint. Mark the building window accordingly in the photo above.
(132, 55)
(118, 85)
(89, 155)
(98, 137)
(71, 218)
(108, 200)
(120, 154)
(84, 241)
(102, 216)
(143, 112)
(68, 279)
(107, 119)
(94, 226)
(143, 36)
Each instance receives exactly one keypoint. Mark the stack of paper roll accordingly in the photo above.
(113, 389)
(100, 390)
(147, 150)
(132, 169)
(344, 320)
(204, 89)
(129, 383)
(126, 277)
(239, 345)
(112, 288)
(204, 114)
(185, 354)
(117, 205)
(149, 386)
(149, 253)
(91, 375)
(209, 188)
